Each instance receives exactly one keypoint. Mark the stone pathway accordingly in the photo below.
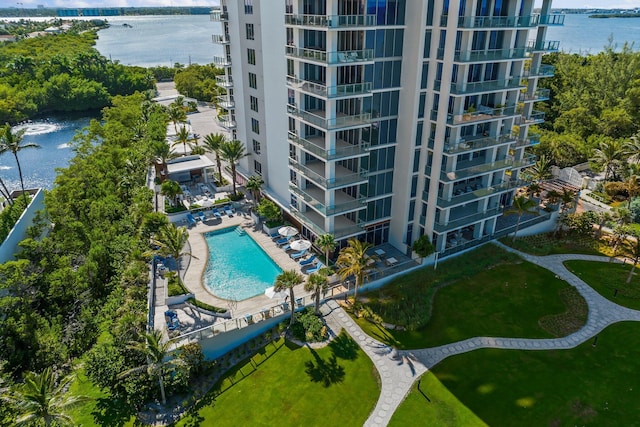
(399, 369)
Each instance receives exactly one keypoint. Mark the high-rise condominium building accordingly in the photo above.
(386, 119)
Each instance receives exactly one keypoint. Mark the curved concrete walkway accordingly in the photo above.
(399, 369)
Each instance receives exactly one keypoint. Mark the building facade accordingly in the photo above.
(386, 119)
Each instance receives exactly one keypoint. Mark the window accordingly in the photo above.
(248, 7)
(254, 103)
(255, 126)
(257, 167)
(249, 31)
(251, 56)
(256, 146)
(253, 81)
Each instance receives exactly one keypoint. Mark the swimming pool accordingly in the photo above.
(237, 267)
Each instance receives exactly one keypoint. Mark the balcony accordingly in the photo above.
(226, 122)
(340, 91)
(486, 55)
(531, 140)
(468, 194)
(483, 113)
(544, 46)
(220, 39)
(343, 227)
(224, 81)
(313, 197)
(315, 172)
(473, 143)
(536, 117)
(315, 146)
(486, 86)
(551, 19)
(473, 22)
(339, 57)
(542, 71)
(317, 118)
(479, 167)
(466, 220)
(330, 22)
(538, 95)
(219, 16)
(222, 61)
(226, 102)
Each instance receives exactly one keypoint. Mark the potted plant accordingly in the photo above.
(423, 247)
(271, 212)
(469, 112)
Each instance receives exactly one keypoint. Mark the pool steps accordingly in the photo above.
(240, 231)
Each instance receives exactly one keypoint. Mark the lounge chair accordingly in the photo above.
(228, 211)
(283, 241)
(298, 255)
(201, 216)
(275, 236)
(315, 268)
(308, 261)
(191, 220)
(286, 247)
(216, 213)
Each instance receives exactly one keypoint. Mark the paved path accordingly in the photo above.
(399, 369)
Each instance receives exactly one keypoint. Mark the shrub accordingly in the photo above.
(423, 247)
(236, 197)
(269, 210)
(175, 285)
(308, 327)
(10, 215)
(206, 306)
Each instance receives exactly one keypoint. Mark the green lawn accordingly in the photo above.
(586, 386)
(606, 277)
(546, 244)
(287, 385)
(510, 299)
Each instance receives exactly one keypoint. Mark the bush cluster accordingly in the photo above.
(309, 327)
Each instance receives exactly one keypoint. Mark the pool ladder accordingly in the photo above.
(240, 231)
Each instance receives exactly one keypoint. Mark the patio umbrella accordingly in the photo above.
(300, 245)
(271, 293)
(206, 203)
(287, 231)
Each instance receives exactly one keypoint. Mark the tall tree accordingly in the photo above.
(609, 155)
(13, 143)
(43, 402)
(171, 241)
(288, 280)
(316, 284)
(232, 152)
(183, 137)
(212, 143)
(632, 148)
(354, 261)
(177, 114)
(632, 188)
(521, 205)
(171, 189)
(326, 243)
(254, 184)
(162, 153)
(157, 353)
(541, 169)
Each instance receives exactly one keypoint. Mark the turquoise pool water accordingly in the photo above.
(237, 268)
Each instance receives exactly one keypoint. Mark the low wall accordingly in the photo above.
(19, 231)
(177, 299)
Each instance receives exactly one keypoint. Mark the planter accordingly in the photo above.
(177, 299)
(271, 230)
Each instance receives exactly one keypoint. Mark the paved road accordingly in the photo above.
(399, 369)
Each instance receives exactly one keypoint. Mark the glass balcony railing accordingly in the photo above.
(340, 180)
(219, 16)
(333, 21)
(342, 121)
(542, 71)
(467, 195)
(486, 86)
(224, 81)
(338, 91)
(531, 140)
(538, 95)
(534, 118)
(338, 233)
(506, 162)
(329, 154)
(222, 61)
(220, 39)
(486, 55)
(226, 102)
(226, 122)
(330, 57)
(336, 209)
(467, 144)
(466, 220)
(551, 19)
(494, 21)
(483, 113)
(544, 46)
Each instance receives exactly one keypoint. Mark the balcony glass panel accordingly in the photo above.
(341, 121)
(545, 46)
(334, 21)
(330, 57)
(486, 86)
(551, 19)
(220, 39)
(223, 81)
(222, 61)
(497, 21)
(486, 55)
(476, 143)
(346, 203)
(482, 113)
(538, 95)
(469, 194)
(342, 150)
(535, 118)
(329, 92)
(341, 179)
(466, 220)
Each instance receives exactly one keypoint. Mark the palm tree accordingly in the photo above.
(183, 137)
(4, 191)
(42, 401)
(603, 218)
(521, 205)
(632, 148)
(354, 261)
(288, 280)
(326, 243)
(162, 153)
(171, 241)
(632, 187)
(609, 155)
(157, 353)
(620, 233)
(232, 152)
(316, 283)
(171, 189)
(12, 142)
(254, 184)
(632, 249)
(177, 113)
(212, 143)
(541, 169)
